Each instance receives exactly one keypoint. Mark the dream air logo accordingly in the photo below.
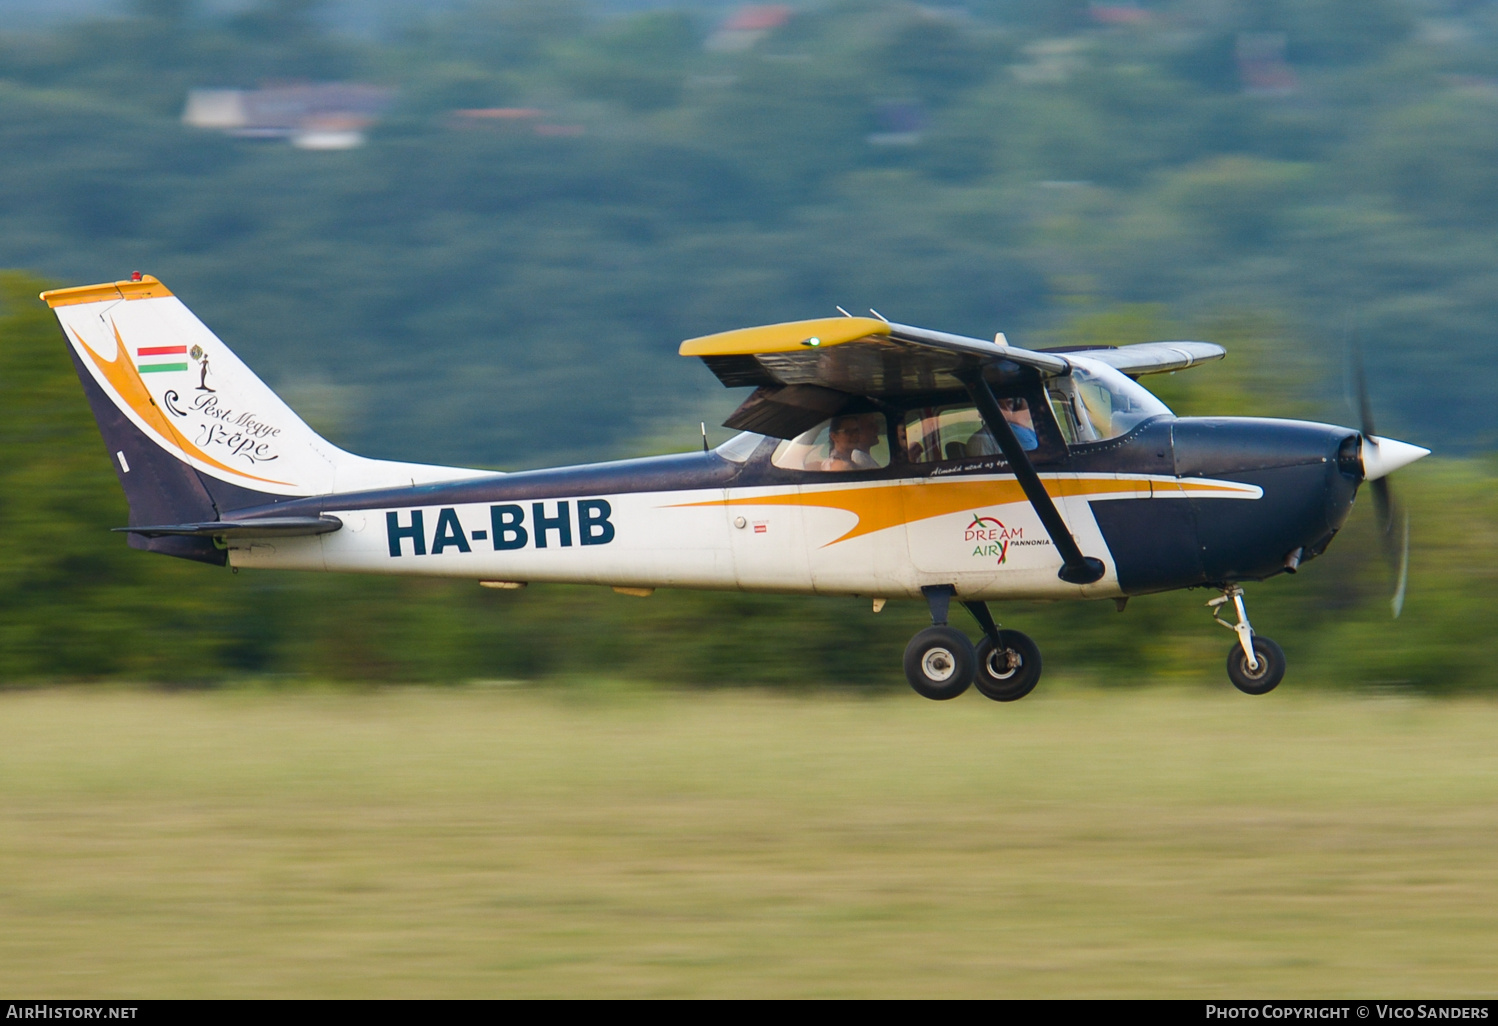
(508, 528)
(990, 538)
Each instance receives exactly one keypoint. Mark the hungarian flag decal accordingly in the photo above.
(151, 359)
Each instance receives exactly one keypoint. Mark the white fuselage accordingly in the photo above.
(878, 538)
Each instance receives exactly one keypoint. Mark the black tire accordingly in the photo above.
(939, 663)
(1009, 673)
(1267, 677)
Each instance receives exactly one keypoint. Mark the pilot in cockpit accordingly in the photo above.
(1017, 412)
(1017, 415)
(843, 436)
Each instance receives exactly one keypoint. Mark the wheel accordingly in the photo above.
(1009, 673)
(1266, 678)
(939, 663)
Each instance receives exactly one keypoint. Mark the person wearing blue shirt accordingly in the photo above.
(1017, 413)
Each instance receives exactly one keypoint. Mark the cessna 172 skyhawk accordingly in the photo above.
(875, 459)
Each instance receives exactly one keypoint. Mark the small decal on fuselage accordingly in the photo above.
(511, 525)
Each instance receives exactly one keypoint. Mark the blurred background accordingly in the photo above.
(474, 231)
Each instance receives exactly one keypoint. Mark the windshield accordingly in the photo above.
(1096, 402)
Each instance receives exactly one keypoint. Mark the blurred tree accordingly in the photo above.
(284, 22)
(511, 33)
(639, 62)
(1434, 157)
(168, 12)
(497, 295)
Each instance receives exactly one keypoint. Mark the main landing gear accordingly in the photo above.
(940, 661)
(1256, 665)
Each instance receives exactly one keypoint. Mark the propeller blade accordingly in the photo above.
(1404, 570)
(1365, 408)
(1383, 504)
(1396, 548)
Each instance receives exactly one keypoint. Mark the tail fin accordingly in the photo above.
(192, 431)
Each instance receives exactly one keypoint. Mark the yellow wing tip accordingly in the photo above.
(787, 337)
(146, 288)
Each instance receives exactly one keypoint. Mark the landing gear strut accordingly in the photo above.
(940, 662)
(1256, 665)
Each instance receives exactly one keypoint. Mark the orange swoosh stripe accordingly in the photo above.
(122, 376)
(880, 507)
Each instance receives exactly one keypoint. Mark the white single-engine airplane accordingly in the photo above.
(875, 459)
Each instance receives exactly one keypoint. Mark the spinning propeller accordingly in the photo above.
(1380, 458)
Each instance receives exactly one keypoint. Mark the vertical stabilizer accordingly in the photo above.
(193, 432)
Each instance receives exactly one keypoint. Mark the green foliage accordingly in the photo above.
(500, 294)
(76, 602)
(639, 63)
(708, 189)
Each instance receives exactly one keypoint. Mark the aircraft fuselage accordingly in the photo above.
(1177, 502)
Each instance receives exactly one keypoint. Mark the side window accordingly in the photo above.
(936, 433)
(857, 441)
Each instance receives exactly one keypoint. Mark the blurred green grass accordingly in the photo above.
(568, 841)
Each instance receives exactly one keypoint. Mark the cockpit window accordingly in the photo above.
(857, 441)
(936, 433)
(1096, 403)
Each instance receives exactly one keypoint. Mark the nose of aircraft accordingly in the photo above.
(1308, 474)
(1382, 456)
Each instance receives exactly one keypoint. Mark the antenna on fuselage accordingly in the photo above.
(842, 311)
(703, 424)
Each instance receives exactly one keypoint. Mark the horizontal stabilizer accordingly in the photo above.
(264, 527)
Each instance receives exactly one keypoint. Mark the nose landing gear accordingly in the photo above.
(1256, 665)
(940, 662)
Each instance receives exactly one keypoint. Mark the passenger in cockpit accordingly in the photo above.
(843, 435)
(870, 428)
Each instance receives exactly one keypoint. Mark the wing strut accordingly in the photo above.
(1075, 568)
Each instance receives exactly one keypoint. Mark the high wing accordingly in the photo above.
(858, 355)
(808, 370)
(1152, 357)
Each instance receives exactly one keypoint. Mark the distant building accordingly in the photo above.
(324, 116)
(747, 26)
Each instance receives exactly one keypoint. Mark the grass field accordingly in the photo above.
(540, 841)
